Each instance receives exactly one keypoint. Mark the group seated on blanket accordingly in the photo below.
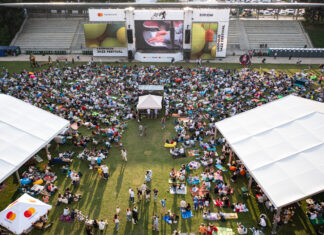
(222, 202)
(70, 216)
(223, 189)
(178, 189)
(86, 154)
(201, 191)
(239, 207)
(207, 146)
(171, 218)
(68, 197)
(314, 211)
(193, 179)
(178, 175)
(193, 165)
(207, 215)
(63, 158)
(237, 170)
(177, 152)
(241, 229)
(32, 175)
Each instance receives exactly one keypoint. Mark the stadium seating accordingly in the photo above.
(47, 33)
(275, 33)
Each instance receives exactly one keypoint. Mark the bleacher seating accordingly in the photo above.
(233, 35)
(47, 33)
(275, 33)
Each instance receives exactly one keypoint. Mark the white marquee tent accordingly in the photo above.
(24, 130)
(22, 213)
(149, 102)
(282, 146)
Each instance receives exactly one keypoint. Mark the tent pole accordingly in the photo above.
(230, 156)
(250, 182)
(18, 178)
(215, 133)
(275, 222)
(46, 149)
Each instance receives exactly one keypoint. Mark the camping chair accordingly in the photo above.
(244, 192)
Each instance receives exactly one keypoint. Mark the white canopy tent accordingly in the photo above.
(282, 146)
(149, 102)
(22, 213)
(24, 131)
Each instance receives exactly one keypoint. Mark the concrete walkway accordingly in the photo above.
(228, 59)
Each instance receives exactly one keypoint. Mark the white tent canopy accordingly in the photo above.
(149, 102)
(22, 213)
(24, 130)
(282, 145)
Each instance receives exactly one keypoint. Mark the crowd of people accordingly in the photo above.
(103, 97)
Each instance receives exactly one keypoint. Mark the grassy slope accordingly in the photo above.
(101, 197)
(316, 34)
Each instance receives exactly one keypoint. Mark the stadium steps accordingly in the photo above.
(47, 33)
(275, 33)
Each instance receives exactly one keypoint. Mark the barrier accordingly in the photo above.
(297, 52)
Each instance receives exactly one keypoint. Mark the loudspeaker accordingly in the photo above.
(186, 55)
(130, 36)
(130, 55)
(187, 36)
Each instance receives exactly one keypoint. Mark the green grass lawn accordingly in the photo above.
(316, 34)
(101, 197)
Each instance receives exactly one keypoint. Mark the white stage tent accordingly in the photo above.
(24, 131)
(22, 213)
(282, 146)
(149, 102)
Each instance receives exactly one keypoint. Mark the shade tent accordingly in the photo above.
(149, 102)
(151, 87)
(282, 146)
(24, 131)
(22, 213)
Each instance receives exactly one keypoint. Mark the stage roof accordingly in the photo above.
(24, 130)
(282, 146)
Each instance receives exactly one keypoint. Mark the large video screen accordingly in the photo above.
(159, 35)
(105, 35)
(204, 40)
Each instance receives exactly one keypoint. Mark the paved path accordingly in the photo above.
(229, 59)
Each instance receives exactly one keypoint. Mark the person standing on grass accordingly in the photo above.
(163, 123)
(155, 194)
(163, 206)
(131, 195)
(155, 223)
(128, 215)
(140, 128)
(124, 155)
(116, 221)
(135, 215)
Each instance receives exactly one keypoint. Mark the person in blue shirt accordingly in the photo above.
(99, 161)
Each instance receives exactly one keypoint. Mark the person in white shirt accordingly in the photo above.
(102, 225)
(183, 204)
(66, 211)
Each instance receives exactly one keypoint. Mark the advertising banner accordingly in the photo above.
(156, 57)
(119, 52)
(159, 36)
(105, 35)
(106, 15)
(158, 15)
(210, 15)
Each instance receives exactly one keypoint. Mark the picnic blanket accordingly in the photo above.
(186, 214)
(202, 191)
(215, 216)
(193, 153)
(193, 181)
(167, 219)
(220, 167)
(194, 165)
(224, 231)
(230, 215)
(75, 126)
(317, 221)
(183, 119)
(178, 191)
